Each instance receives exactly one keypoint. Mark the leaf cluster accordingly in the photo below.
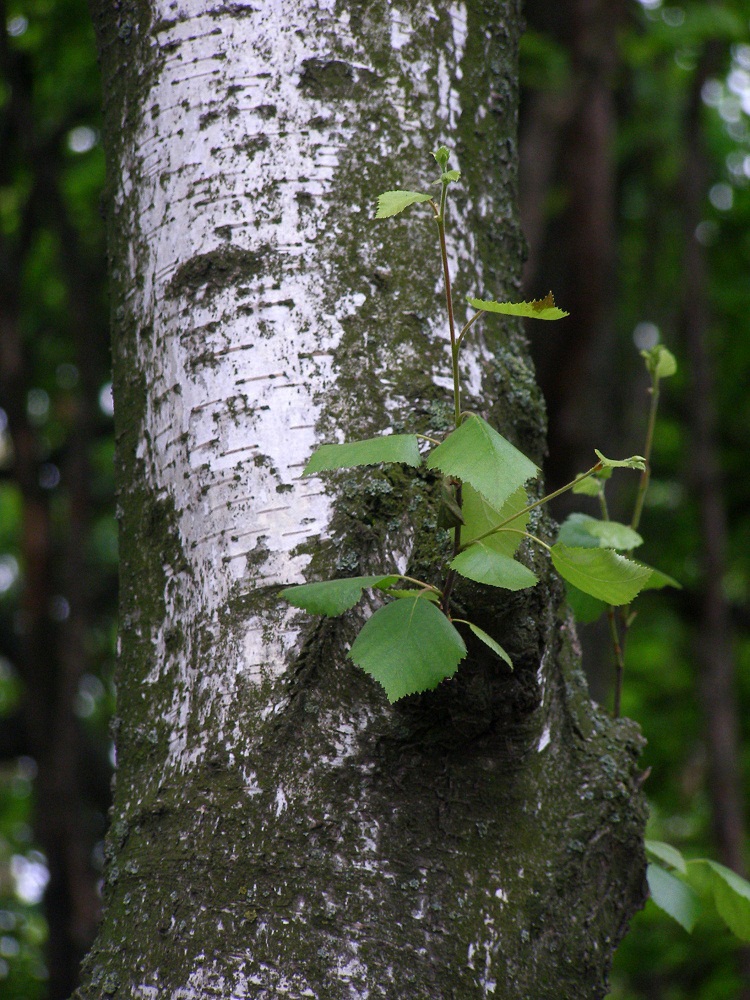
(412, 643)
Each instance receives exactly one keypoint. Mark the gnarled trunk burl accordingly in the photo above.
(279, 829)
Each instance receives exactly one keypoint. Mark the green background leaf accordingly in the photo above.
(408, 646)
(333, 597)
(584, 531)
(586, 609)
(665, 852)
(392, 202)
(371, 451)
(673, 896)
(730, 893)
(477, 454)
(601, 573)
(658, 580)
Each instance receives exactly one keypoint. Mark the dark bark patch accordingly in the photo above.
(252, 145)
(208, 119)
(235, 10)
(333, 78)
(209, 273)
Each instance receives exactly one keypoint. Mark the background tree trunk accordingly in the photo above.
(567, 140)
(279, 829)
(714, 639)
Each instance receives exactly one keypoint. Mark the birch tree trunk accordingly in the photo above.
(279, 829)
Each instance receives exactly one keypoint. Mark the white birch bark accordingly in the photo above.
(279, 829)
(236, 377)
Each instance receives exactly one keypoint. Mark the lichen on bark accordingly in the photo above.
(279, 829)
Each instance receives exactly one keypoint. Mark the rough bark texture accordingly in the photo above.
(279, 829)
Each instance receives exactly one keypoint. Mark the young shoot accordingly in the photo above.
(412, 642)
(582, 530)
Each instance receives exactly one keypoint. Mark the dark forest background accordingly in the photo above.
(635, 195)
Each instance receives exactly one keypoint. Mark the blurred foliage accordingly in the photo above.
(661, 47)
(52, 249)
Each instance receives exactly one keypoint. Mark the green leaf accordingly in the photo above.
(427, 595)
(480, 516)
(449, 514)
(573, 532)
(730, 893)
(658, 580)
(665, 852)
(477, 454)
(673, 896)
(586, 609)
(489, 641)
(660, 361)
(613, 535)
(590, 486)
(450, 175)
(484, 565)
(634, 462)
(392, 202)
(442, 155)
(389, 448)
(408, 646)
(538, 309)
(600, 572)
(333, 597)
(589, 532)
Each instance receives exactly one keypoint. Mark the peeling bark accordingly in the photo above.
(279, 829)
